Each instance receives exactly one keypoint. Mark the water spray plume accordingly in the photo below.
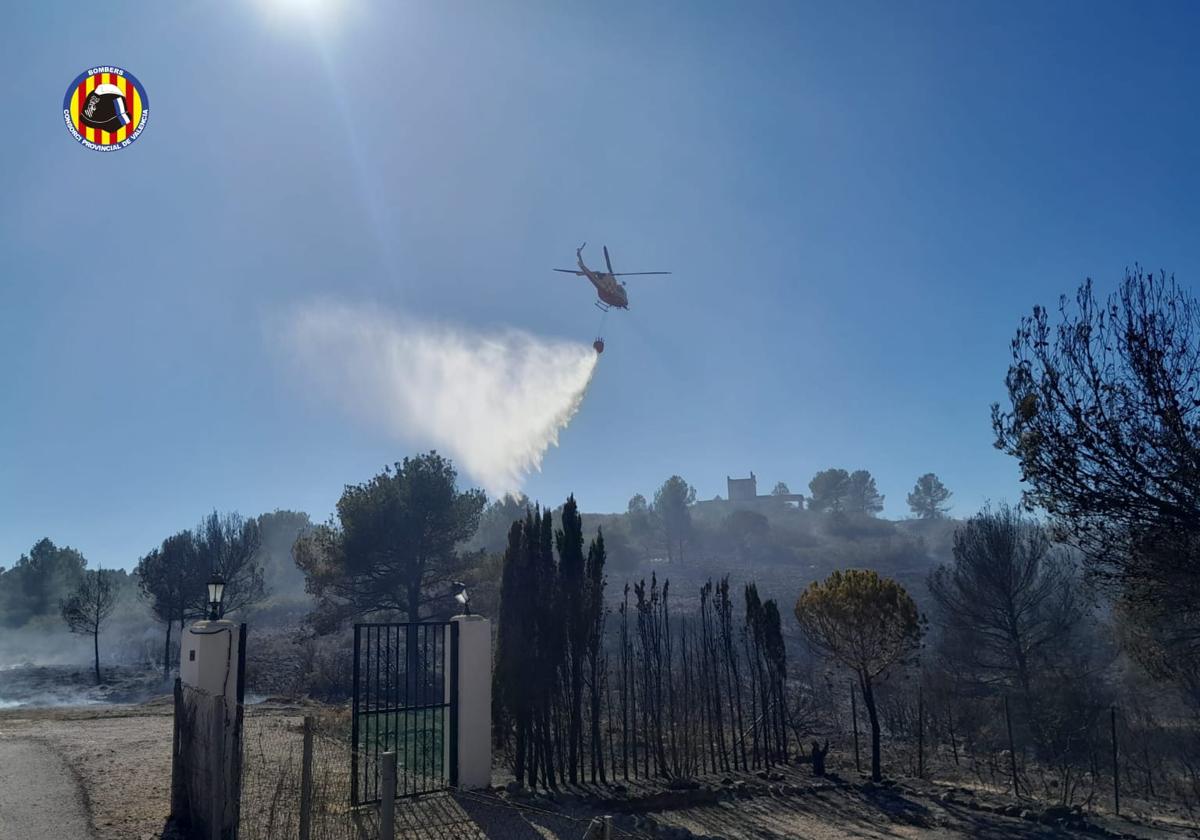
(492, 401)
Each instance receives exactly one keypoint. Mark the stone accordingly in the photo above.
(626, 822)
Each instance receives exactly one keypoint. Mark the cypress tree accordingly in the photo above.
(513, 672)
(596, 616)
(572, 575)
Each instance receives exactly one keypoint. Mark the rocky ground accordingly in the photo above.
(121, 757)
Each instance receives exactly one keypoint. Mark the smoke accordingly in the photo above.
(492, 401)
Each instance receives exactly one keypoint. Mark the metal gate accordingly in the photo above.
(405, 701)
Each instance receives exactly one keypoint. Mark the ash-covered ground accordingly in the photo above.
(42, 686)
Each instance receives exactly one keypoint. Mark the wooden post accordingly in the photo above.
(235, 760)
(920, 733)
(178, 792)
(306, 782)
(1116, 771)
(218, 777)
(387, 805)
(854, 719)
(1012, 750)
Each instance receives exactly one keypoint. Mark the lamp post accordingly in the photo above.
(216, 593)
(462, 598)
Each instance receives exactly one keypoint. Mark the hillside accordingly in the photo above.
(777, 545)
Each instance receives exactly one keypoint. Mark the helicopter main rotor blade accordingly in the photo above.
(568, 271)
(607, 261)
(632, 273)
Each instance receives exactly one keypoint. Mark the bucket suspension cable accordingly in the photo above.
(598, 344)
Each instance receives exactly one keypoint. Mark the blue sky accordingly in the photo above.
(858, 201)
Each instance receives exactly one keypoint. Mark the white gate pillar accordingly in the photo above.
(474, 701)
(210, 746)
(208, 660)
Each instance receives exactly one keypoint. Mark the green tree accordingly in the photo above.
(514, 694)
(228, 545)
(496, 520)
(866, 623)
(1155, 638)
(596, 613)
(38, 581)
(638, 513)
(169, 578)
(671, 505)
(278, 532)
(1104, 417)
(829, 491)
(637, 505)
(549, 650)
(395, 545)
(861, 494)
(781, 489)
(928, 498)
(1009, 602)
(87, 608)
(768, 661)
(573, 588)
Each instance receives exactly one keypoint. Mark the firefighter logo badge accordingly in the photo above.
(106, 108)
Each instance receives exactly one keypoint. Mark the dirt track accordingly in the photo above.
(39, 796)
(121, 755)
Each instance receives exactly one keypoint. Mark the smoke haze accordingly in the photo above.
(492, 401)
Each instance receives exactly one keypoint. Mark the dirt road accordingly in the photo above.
(39, 797)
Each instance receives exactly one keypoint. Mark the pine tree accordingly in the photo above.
(672, 505)
(867, 623)
(928, 498)
(862, 496)
(829, 491)
(87, 608)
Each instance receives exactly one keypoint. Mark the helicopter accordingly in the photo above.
(609, 289)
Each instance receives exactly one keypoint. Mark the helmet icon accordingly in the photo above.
(105, 109)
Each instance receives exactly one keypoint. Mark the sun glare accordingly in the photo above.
(310, 10)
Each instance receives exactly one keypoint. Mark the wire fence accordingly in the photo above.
(1105, 755)
(282, 798)
(273, 778)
